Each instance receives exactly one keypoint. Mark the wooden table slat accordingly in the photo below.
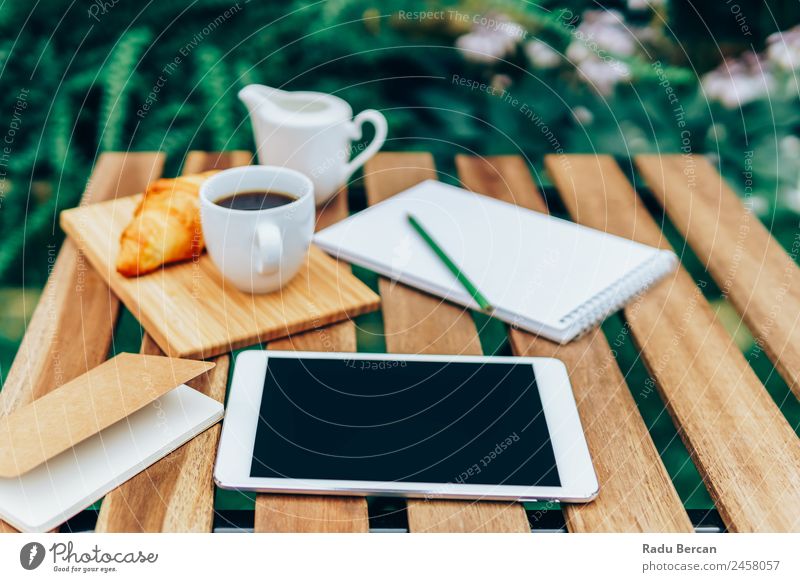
(755, 273)
(316, 513)
(743, 446)
(636, 494)
(73, 325)
(176, 494)
(414, 323)
(71, 329)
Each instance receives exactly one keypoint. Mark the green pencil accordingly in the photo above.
(462, 278)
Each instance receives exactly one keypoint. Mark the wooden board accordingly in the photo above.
(415, 322)
(71, 329)
(636, 494)
(189, 309)
(742, 445)
(756, 274)
(316, 513)
(176, 494)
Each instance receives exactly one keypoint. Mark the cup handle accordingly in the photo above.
(377, 119)
(269, 248)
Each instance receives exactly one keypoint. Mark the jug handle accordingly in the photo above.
(377, 119)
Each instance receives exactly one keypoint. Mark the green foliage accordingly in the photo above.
(118, 79)
(164, 76)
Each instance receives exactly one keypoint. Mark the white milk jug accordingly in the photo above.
(312, 133)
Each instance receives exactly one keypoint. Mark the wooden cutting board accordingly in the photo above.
(192, 312)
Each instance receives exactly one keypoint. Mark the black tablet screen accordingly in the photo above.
(381, 420)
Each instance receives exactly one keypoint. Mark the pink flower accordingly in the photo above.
(783, 49)
(642, 5)
(603, 75)
(542, 55)
(598, 42)
(582, 115)
(482, 48)
(492, 37)
(607, 30)
(737, 82)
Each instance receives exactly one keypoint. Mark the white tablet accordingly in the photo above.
(404, 425)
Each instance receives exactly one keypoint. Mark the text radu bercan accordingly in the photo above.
(677, 549)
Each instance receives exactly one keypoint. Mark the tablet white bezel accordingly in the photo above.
(235, 455)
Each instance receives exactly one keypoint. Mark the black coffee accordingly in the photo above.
(255, 200)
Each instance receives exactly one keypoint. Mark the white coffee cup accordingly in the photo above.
(258, 251)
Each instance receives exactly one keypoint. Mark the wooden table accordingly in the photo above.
(747, 453)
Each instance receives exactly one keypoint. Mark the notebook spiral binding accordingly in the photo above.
(620, 292)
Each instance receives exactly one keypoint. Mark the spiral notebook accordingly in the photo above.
(543, 274)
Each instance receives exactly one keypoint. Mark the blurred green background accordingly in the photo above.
(625, 77)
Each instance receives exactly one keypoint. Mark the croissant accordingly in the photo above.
(165, 227)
